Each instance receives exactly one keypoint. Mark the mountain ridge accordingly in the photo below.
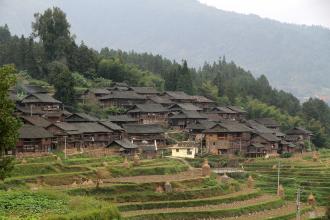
(294, 57)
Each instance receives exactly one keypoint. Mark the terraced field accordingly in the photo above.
(311, 176)
(83, 187)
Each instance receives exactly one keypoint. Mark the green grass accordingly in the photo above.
(189, 203)
(53, 205)
(312, 177)
(211, 214)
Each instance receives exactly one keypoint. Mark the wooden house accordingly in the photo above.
(263, 144)
(66, 134)
(35, 120)
(122, 99)
(225, 113)
(122, 119)
(80, 117)
(145, 134)
(228, 137)
(93, 134)
(41, 102)
(286, 147)
(34, 139)
(149, 113)
(203, 102)
(300, 137)
(179, 97)
(123, 147)
(269, 123)
(93, 95)
(241, 113)
(178, 107)
(162, 100)
(196, 129)
(183, 118)
(117, 131)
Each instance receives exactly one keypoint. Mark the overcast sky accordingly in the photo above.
(310, 12)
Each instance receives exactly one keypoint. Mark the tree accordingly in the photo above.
(9, 125)
(53, 30)
(63, 82)
(184, 80)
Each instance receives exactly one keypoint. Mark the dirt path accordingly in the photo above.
(249, 202)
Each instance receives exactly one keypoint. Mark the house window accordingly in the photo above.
(189, 152)
(213, 143)
(177, 150)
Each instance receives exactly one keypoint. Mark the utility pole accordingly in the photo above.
(298, 204)
(65, 147)
(278, 177)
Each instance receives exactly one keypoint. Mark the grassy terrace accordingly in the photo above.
(52, 188)
(311, 176)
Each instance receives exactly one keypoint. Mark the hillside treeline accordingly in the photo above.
(51, 54)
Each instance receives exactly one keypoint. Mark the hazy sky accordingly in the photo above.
(310, 12)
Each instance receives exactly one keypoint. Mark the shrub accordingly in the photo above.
(286, 155)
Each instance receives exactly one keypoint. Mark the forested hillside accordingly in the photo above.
(52, 55)
(294, 58)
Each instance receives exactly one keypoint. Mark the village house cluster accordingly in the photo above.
(151, 116)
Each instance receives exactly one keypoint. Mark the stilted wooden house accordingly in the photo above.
(34, 139)
(228, 137)
(149, 113)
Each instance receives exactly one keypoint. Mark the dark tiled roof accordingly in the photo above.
(237, 109)
(143, 128)
(230, 127)
(185, 106)
(66, 127)
(130, 95)
(126, 144)
(161, 100)
(33, 132)
(268, 122)
(202, 99)
(188, 115)
(111, 125)
(81, 117)
(269, 137)
(121, 118)
(99, 91)
(145, 90)
(40, 98)
(32, 89)
(148, 108)
(259, 128)
(223, 110)
(36, 120)
(179, 95)
(299, 131)
(200, 125)
(91, 127)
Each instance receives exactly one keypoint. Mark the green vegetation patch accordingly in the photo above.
(212, 214)
(24, 204)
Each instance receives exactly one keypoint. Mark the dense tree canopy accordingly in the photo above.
(8, 123)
